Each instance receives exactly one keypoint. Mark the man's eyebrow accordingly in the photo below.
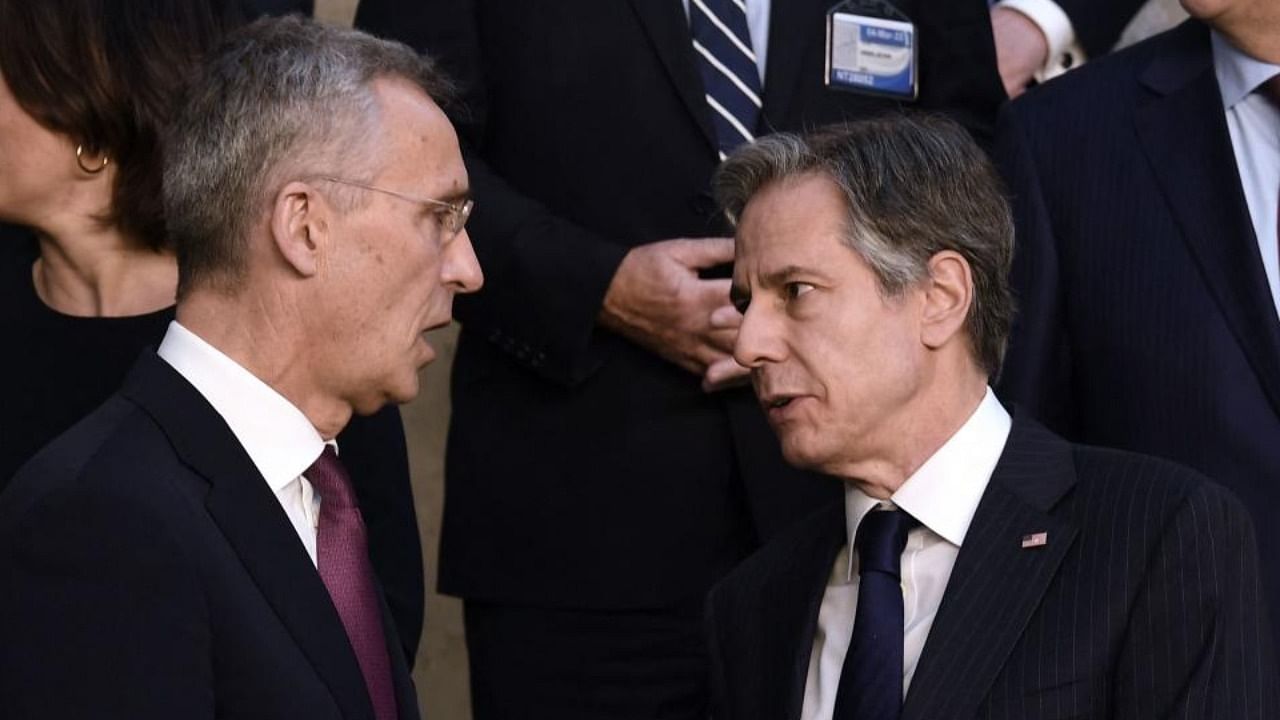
(784, 274)
(455, 196)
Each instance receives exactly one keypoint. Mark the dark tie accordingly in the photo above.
(342, 557)
(1271, 91)
(727, 63)
(871, 679)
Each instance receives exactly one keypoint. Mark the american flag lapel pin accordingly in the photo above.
(1035, 540)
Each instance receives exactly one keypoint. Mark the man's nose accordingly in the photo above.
(461, 269)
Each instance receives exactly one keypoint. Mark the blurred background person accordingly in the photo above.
(1037, 40)
(85, 88)
(1145, 189)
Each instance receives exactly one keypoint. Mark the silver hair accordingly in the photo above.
(914, 185)
(282, 99)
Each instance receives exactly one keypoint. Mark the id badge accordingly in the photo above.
(871, 48)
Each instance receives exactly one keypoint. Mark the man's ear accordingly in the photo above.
(947, 297)
(300, 222)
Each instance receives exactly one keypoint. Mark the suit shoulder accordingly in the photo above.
(1107, 477)
(96, 463)
(800, 540)
(1099, 88)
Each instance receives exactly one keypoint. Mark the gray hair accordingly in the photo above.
(282, 99)
(914, 185)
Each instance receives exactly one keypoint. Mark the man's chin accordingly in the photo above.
(801, 455)
(400, 394)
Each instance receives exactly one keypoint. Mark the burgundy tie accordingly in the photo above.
(343, 558)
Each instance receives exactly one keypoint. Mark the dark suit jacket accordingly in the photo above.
(1143, 604)
(1099, 23)
(149, 572)
(1146, 322)
(582, 470)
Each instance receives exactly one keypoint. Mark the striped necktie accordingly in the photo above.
(727, 63)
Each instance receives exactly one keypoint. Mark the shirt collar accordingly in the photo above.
(1238, 74)
(279, 439)
(944, 493)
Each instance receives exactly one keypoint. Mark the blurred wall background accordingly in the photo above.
(441, 669)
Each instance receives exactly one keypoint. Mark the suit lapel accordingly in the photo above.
(1183, 132)
(996, 585)
(668, 30)
(791, 604)
(254, 524)
(792, 29)
(401, 676)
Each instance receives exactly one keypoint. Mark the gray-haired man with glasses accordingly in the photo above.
(197, 540)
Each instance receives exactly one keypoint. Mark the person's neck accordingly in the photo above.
(90, 270)
(1259, 37)
(254, 332)
(917, 434)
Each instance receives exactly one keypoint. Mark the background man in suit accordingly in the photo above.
(979, 565)
(196, 539)
(600, 476)
(1145, 191)
(1041, 39)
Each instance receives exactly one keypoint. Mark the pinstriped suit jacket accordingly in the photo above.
(1146, 322)
(1145, 602)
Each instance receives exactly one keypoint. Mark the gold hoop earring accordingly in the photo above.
(90, 170)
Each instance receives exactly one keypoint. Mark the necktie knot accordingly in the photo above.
(1271, 90)
(871, 680)
(881, 537)
(330, 479)
(342, 559)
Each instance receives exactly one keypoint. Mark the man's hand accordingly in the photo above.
(657, 300)
(1021, 49)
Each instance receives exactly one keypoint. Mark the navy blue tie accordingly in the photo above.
(871, 679)
(727, 63)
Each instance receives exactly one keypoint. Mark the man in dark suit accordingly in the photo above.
(979, 566)
(602, 473)
(1041, 39)
(1145, 194)
(194, 548)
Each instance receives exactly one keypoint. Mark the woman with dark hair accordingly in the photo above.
(85, 88)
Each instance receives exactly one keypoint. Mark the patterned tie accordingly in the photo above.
(871, 679)
(343, 559)
(727, 63)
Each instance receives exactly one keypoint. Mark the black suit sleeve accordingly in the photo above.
(1037, 368)
(1203, 579)
(545, 277)
(100, 614)
(1098, 23)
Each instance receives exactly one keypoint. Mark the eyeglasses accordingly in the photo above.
(456, 213)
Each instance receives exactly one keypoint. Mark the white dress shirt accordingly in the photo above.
(1254, 125)
(943, 495)
(279, 439)
(1065, 51)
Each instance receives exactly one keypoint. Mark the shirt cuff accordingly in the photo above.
(1065, 51)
